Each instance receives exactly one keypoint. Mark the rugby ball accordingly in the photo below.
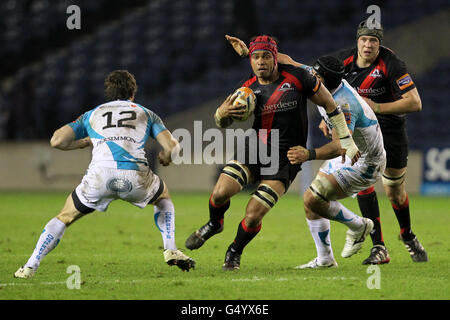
(246, 99)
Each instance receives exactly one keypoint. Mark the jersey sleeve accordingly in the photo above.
(310, 83)
(399, 78)
(79, 128)
(156, 125)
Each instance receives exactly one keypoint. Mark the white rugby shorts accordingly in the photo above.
(102, 185)
(356, 178)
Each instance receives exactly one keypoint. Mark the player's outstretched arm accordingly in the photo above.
(285, 59)
(331, 150)
(64, 139)
(238, 45)
(410, 102)
(170, 145)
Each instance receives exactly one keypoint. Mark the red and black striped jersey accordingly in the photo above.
(385, 80)
(281, 105)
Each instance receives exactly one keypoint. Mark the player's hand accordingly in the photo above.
(238, 45)
(323, 127)
(164, 158)
(372, 104)
(354, 156)
(227, 109)
(86, 142)
(297, 155)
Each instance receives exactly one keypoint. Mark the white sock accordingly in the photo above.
(165, 222)
(49, 239)
(320, 231)
(338, 212)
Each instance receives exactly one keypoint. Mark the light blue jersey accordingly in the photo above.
(118, 131)
(361, 120)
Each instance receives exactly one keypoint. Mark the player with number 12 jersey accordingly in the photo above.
(118, 139)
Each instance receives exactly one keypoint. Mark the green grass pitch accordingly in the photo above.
(119, 253)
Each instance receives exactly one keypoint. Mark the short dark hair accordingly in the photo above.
(120, 85)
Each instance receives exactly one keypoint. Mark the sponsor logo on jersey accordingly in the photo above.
(286, 87)
(376, 73)
(404, 81)
(279, 107)
(371, 91)
(117, 138)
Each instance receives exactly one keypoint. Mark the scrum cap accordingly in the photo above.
(264, 43)
(374, 31)
(331, 70)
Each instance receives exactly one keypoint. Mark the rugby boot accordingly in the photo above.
(314, 264)
(378, 255)
(179, 259)
(24, 272)
(416, 250)
(199, 237)
(355, 239)
(232, 260)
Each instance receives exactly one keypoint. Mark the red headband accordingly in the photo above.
(264, 43)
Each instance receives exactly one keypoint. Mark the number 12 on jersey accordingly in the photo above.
(120, 122)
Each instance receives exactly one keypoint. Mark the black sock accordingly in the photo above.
(404, 219)
(244, 236)
(217, 212)
(368, 204)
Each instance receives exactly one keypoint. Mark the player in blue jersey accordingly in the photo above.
(117, 130)
(338, 179)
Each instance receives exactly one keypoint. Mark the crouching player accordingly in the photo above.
(118, 131)
(338, 178)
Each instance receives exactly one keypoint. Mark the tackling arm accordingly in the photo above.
(64, 139)
(331, 150)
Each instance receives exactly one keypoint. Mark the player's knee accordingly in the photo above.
(266, 196)
(238, 172)
(308, 200)
(394, 181)
(220, 194)
(396, 197)
(320, 192)
(67, 218)
(395, 188)
(254, 215)
(312, 204)
(308, 203)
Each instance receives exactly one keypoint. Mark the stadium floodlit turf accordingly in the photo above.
(119, 254)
